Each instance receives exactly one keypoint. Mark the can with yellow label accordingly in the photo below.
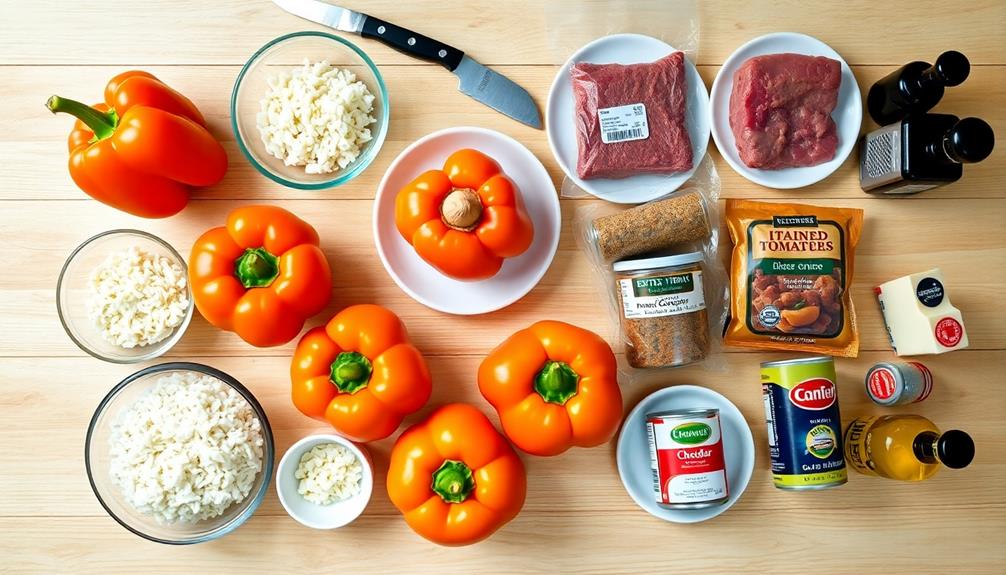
(804, 424)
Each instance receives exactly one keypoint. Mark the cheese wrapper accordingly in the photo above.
(790, 274)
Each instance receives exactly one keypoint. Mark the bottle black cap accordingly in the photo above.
(970, 140)
(955, 449)
(953, 68)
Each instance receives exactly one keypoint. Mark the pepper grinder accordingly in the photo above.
(922, 152)
(915, 88)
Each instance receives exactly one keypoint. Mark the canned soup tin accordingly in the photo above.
(686, 457)
(804, 424)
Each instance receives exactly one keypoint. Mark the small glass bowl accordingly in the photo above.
(282, 55)
(97, 461)
(72, 293)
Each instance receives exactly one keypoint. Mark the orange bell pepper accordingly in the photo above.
(455, 478)
(360, 373)
(554, 385)
(143, 148)
(466, 219)
(260, 276)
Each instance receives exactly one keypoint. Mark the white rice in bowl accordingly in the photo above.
(186, 450)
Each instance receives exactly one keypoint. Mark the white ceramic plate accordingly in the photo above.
(634, 451)
(848, 112)
(559, 118)
(519, 275)
(313, 515)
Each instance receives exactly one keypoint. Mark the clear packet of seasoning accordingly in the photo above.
(790, 277)
(658, 266)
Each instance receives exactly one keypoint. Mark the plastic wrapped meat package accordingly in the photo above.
(630, 119)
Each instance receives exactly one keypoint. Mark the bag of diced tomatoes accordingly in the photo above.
(790, 277)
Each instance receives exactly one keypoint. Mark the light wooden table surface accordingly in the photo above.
(577, 516)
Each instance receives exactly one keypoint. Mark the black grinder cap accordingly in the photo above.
(952, 68)
(969, 141)
(955, 449)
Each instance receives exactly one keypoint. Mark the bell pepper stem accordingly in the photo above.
(453, 481)
(350, 372)
(256, 268)
(101, 123)
(556, 382)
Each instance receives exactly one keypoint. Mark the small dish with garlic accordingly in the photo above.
(325, 481)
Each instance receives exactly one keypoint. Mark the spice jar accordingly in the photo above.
(898, 383)
(655, 226)
(664, 320)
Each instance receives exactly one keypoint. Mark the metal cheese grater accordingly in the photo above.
(881, 157)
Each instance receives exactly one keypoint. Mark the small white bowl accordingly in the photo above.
(560, 121)
(848, 112)
(519, 275)
(633, 451)
(313, 515)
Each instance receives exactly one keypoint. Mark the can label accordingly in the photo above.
(686, 458)
(804, 425)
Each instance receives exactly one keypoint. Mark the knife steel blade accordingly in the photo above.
(474, 80)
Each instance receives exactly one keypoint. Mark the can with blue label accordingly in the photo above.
(804, 424)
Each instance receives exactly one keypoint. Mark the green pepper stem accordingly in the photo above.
(101, 123)
(256, 268)
(556, 382)
(350, 372)
(453, 481)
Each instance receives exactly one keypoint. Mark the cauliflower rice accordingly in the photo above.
(186, 450)
(316, 116)
(137, 298)
(329, 473)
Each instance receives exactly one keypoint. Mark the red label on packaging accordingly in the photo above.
(688, 460)
(949, 332)
(815, 394)
(882, 383)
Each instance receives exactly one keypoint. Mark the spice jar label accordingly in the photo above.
(664, 295)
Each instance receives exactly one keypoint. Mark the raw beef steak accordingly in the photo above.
(660, 87)
(780, 110)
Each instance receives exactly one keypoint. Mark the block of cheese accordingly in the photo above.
(919, 316)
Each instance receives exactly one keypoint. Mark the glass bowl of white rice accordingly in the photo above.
(179, 453)
(309, 110)
(123, 296)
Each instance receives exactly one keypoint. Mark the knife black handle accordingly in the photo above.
(413, 44)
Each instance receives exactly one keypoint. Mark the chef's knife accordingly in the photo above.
(492, 89)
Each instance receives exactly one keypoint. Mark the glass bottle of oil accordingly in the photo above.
(904, 447)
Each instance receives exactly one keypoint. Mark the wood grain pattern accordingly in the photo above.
(577, 517)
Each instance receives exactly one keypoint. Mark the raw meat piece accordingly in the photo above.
(660, 86)
(780, 110)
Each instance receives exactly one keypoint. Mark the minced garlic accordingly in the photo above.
(329, 473)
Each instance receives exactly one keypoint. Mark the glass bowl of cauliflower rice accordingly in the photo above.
(310, 110)
(179, 453)
(123, 296)
(325, 481)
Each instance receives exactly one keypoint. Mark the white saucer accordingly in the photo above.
(519, 275)
(634, 451)
(848, 112)
(561, 127)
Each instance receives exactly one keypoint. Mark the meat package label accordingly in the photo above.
(623, 123)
